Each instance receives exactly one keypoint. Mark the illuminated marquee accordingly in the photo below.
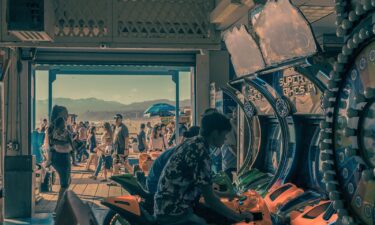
(296, 84)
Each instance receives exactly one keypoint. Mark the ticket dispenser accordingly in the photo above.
(19, 186)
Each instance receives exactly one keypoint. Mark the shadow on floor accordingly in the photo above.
(46, 218)
(38, 219)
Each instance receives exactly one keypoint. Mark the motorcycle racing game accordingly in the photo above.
(270, 166)
(308, 204)
(349, 126)
(137, 208)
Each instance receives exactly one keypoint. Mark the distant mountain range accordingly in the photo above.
(97, 109)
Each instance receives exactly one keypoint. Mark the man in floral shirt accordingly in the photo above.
(188, 173)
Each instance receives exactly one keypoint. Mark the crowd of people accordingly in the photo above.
(159, 137)
(188, 152)
(108, 153)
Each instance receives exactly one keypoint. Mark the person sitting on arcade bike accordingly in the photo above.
(159, 164)
(188, 173)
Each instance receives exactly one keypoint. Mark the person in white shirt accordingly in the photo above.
(156, 140)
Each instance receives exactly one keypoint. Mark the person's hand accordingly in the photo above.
(245, 216)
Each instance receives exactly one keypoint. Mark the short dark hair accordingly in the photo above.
(210, 110)
(143, 126)
(57, 110)
(59, 122)
(92, 130)
(192, 132)
(214, 121)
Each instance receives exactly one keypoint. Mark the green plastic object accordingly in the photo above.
(261, 189)
(243, 183)
(222, 184)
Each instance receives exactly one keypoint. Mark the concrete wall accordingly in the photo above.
(202, 85)
(210, 67)
(219, 68)
(16, 117)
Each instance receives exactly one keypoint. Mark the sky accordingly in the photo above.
(123, 89)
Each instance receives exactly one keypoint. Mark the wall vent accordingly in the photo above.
(31, 20)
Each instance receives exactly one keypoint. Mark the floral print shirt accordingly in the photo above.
(188, 169)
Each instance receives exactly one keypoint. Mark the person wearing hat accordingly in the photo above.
(121, 141)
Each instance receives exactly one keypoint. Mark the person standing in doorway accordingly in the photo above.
(142, 144)
(181, 130)
(156, 140)
(121, 142)
(148, 132)
(164, 133)
(43, 126)
(60, 145)
(82, 133)
(93, 158)
(106, 150)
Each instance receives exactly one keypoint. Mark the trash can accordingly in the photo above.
(19, 186)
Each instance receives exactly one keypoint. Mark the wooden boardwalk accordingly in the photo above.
(89, 190)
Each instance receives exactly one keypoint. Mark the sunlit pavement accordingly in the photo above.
(89, 190)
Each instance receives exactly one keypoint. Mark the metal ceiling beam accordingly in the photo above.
(131, 45)
(115, 58)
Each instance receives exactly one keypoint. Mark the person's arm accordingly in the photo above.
(144, 142)
(150, 144)
(203, 179)
(215, 204)
(126, 146)
(171, 139)
(92, 143)
(164, 144)
(126, 139)
(71, 144)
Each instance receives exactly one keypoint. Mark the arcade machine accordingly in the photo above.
(289, 131)
(304, 180)
(349, 127)
(265, 168)
(255, 122)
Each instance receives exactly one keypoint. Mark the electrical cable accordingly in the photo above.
(19, 103)
(6, 102)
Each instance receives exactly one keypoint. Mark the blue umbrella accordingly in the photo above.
(159, 108)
